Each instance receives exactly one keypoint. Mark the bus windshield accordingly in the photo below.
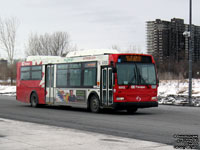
(136, 74)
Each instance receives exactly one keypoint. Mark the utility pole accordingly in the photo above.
(190, 56)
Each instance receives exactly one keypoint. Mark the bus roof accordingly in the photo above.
(42, 58)
(91, 52)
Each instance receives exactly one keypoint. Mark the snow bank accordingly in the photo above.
(7, 90)
(178, 87)
(175, 92)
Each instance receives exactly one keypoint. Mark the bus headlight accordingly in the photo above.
(153, 86)
(120, 98)
(154, 98)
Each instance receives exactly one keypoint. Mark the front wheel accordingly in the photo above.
(94, 104)
(34, 100)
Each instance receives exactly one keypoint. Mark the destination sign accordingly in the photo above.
(90, 64)
(134, 58)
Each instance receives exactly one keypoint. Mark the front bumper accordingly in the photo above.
(126, 105)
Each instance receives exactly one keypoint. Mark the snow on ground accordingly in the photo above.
(7, 90)
(176, 92)
(178, 87)
(169, 91)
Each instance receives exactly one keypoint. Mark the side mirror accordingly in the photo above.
(157, 81)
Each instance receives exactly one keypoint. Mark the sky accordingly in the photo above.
(93, 24)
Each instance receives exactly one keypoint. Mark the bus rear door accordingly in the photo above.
(49, 84)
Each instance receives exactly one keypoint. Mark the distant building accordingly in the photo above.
(3, 62)
(165, 40)
(3, 69)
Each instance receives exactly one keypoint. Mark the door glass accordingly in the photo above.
(52, 76)
(110, 79)
(104, 79)
(110, 96)
(47, 76)
(104, 96)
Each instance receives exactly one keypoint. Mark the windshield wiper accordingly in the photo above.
(140, 78)
(134, 77)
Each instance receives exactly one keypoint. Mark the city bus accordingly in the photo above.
(90, 79)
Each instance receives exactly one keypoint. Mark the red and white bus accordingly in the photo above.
(104, 79)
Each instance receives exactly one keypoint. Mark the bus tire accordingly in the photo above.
(131, 110)
(34, 100)
(94, 104)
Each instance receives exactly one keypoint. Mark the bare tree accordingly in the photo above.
(8, 29)
(130, 49)
(33, 45)
(56, 44)
(116, 47)
(60, 43)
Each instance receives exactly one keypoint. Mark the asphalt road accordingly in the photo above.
(151, 124)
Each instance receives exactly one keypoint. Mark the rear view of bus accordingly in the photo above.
(135, 81)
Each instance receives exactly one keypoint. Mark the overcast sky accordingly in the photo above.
(94, 24)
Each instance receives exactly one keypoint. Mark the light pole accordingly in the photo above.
(190, 56)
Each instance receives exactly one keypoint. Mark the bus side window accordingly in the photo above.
(61, 79)
(75, 77)
(36, 72)
(89, 77)
(25, 73)
(89, 74)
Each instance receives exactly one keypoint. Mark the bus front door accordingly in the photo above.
(106, 86)
(49, 84)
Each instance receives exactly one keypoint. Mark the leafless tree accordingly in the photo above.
(60, 43)
(116, 47)
(130, 49)
(33, 45)
(56, 44)
(8, 29)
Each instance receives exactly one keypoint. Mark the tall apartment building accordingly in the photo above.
(165, 40)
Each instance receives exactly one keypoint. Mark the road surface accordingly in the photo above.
(151, 124)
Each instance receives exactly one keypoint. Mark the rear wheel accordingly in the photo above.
(132, 110)
(94, 104)
(34, 100)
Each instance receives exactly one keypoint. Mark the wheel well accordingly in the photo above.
(89, 98)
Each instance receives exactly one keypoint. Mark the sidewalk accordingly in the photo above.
(17, 135)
